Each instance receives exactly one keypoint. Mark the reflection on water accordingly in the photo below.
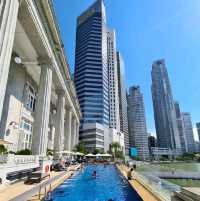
(108, 184)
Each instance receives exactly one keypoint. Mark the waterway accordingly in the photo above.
(175, 167)
(180, 167)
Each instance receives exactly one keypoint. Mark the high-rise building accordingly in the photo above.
(113, 81)
(164, 109)
(122, 101)
(152, 141)
(180, 125)
(197, 146)
(189, 135)
(91, 75)
(96, 80)
(137, 122)
(198, 129)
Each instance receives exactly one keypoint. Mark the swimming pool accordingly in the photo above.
(109, 184)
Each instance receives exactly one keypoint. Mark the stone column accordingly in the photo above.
(68, 129)
(8, 20)
(73, 137)
(77, 133)
(40, 130)
(51, 137)
(51, 128)
(59, 133)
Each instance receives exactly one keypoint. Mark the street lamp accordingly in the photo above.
(18, 60)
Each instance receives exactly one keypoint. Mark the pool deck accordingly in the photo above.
(17, 189)
(145, 194)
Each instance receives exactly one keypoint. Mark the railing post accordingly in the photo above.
(39, 192)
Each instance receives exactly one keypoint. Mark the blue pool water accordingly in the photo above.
(109, 184)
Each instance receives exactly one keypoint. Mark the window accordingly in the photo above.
(26, 125)
(31, 97)
(27, 128)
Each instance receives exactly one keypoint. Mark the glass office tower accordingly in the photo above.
(91, 75)
(122, 101)
(138, 135)
(164, 109)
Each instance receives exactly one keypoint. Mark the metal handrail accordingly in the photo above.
(28, 194)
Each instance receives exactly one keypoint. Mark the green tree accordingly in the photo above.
(3, 150)
(97, 151)
(80, 147)
(116, 150)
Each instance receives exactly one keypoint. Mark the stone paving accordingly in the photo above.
(19, 188)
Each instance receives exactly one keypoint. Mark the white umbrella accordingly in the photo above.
(78, 154)
(99, 154)
(90, 155)
(67, 152)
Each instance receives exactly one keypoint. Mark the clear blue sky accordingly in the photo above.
(148, 30)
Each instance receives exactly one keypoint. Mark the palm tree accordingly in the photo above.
(115, 147)
(80, 147)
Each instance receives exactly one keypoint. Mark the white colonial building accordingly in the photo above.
(38, 104)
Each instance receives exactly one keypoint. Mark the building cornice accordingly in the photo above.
(47, 11)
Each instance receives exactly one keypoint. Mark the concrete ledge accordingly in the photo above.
(145, 192)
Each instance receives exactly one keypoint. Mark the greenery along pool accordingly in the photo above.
(109, 184)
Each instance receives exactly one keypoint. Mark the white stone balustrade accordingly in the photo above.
(12, 159)
(14, 163)
(3, 159)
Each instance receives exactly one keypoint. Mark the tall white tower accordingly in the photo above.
(113, 80)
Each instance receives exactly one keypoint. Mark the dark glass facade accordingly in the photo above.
(91, 76)
(122, 101)
(164, 109)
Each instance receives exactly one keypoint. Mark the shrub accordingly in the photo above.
(24, 152)
(50, 152)
(3, 150)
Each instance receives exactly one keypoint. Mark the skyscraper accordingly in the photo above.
(189, 135)
(180, 125)
(113, 81)
(91, 75)
(198, 129)
(164, 109)
(137, 122)
(122, 101)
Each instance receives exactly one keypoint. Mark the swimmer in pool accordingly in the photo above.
(94, 174)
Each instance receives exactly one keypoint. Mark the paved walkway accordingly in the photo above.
(19, 188)
(141, 190)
